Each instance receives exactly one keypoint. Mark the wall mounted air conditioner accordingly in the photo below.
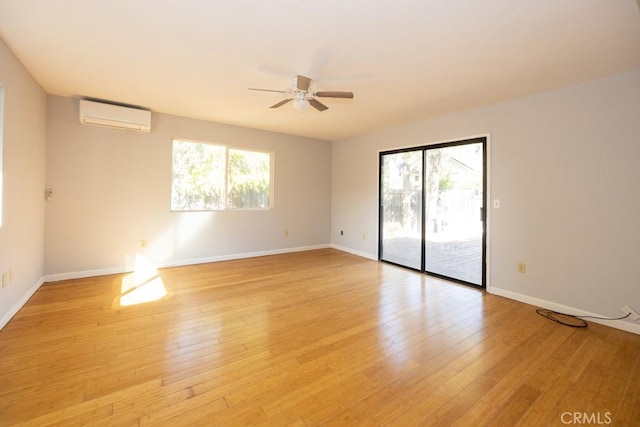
(114, 116)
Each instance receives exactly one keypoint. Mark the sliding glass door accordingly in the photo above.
(455, 212)
(432, 215)
(401, 208)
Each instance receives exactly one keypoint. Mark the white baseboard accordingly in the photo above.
(178, 263)
(17, 306)
(88, 273)
(618, 324)
(354, 252)
(242, 256)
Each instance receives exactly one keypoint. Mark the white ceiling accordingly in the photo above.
(403, 59)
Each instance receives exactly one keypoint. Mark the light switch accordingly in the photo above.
(496, 203)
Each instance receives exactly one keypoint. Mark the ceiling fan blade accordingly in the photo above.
(317, 104)
(281, 103)
(334, 94)
(303, 83)
(268, 90)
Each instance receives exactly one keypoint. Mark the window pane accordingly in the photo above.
(198, 176)
(249, 173)
(401, 208)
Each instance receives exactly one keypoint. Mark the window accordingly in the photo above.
(249, 173)
(209, 177)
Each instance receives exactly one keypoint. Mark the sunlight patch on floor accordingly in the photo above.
(143, 285)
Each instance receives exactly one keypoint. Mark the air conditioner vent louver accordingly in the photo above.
(114, 116)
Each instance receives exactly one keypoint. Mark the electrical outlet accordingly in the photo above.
(522, 267)
(633, 315)
(286, 233)
(143, 243)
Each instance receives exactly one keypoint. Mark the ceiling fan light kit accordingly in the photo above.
(302, 96)
(300, 104)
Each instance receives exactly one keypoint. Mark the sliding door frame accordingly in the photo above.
(484, 140)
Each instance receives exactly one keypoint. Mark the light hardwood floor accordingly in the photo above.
(318, 337)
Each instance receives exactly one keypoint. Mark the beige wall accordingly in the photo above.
(565, 165)
(24, 153)
(112, 189)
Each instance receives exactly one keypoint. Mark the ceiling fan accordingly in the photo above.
(302, 96)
